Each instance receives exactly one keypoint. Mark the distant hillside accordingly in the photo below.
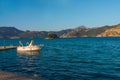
(77, 32)
(42, 34)
(82, 31)
(33, 34)
(12, 32)
(113, 31)
(6, 32)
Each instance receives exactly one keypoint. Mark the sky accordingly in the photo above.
(55, 15)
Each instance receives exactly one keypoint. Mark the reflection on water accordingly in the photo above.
(28, 63)
(28, 52)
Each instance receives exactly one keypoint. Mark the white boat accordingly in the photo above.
(28, 52)
(29, 47)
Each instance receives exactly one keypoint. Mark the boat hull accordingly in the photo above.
(28, 48)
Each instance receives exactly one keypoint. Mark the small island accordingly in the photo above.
(51, 36)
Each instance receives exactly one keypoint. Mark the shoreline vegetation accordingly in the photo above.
(82, 31)
(51, 36)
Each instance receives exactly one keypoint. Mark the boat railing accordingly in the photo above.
(21, 44)
(28, 44)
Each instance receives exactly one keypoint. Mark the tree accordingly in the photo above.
(52, 36)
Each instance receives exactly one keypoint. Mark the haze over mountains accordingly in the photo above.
(82, 31)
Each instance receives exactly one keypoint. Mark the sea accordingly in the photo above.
(88, 58)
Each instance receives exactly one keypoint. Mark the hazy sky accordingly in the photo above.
(50, 15)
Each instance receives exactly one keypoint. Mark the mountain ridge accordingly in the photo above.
(82, 31)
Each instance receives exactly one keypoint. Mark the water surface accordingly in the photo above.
(66, 59)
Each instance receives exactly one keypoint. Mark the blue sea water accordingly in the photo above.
(66, 59)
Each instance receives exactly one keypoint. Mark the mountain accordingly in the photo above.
(82, 31)
(7, 32)
(113, 31)
(77, 32)
(88, 32)
(42, 34)
(33, 34)
(12, 32)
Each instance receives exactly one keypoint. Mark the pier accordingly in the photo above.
(7, 47)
